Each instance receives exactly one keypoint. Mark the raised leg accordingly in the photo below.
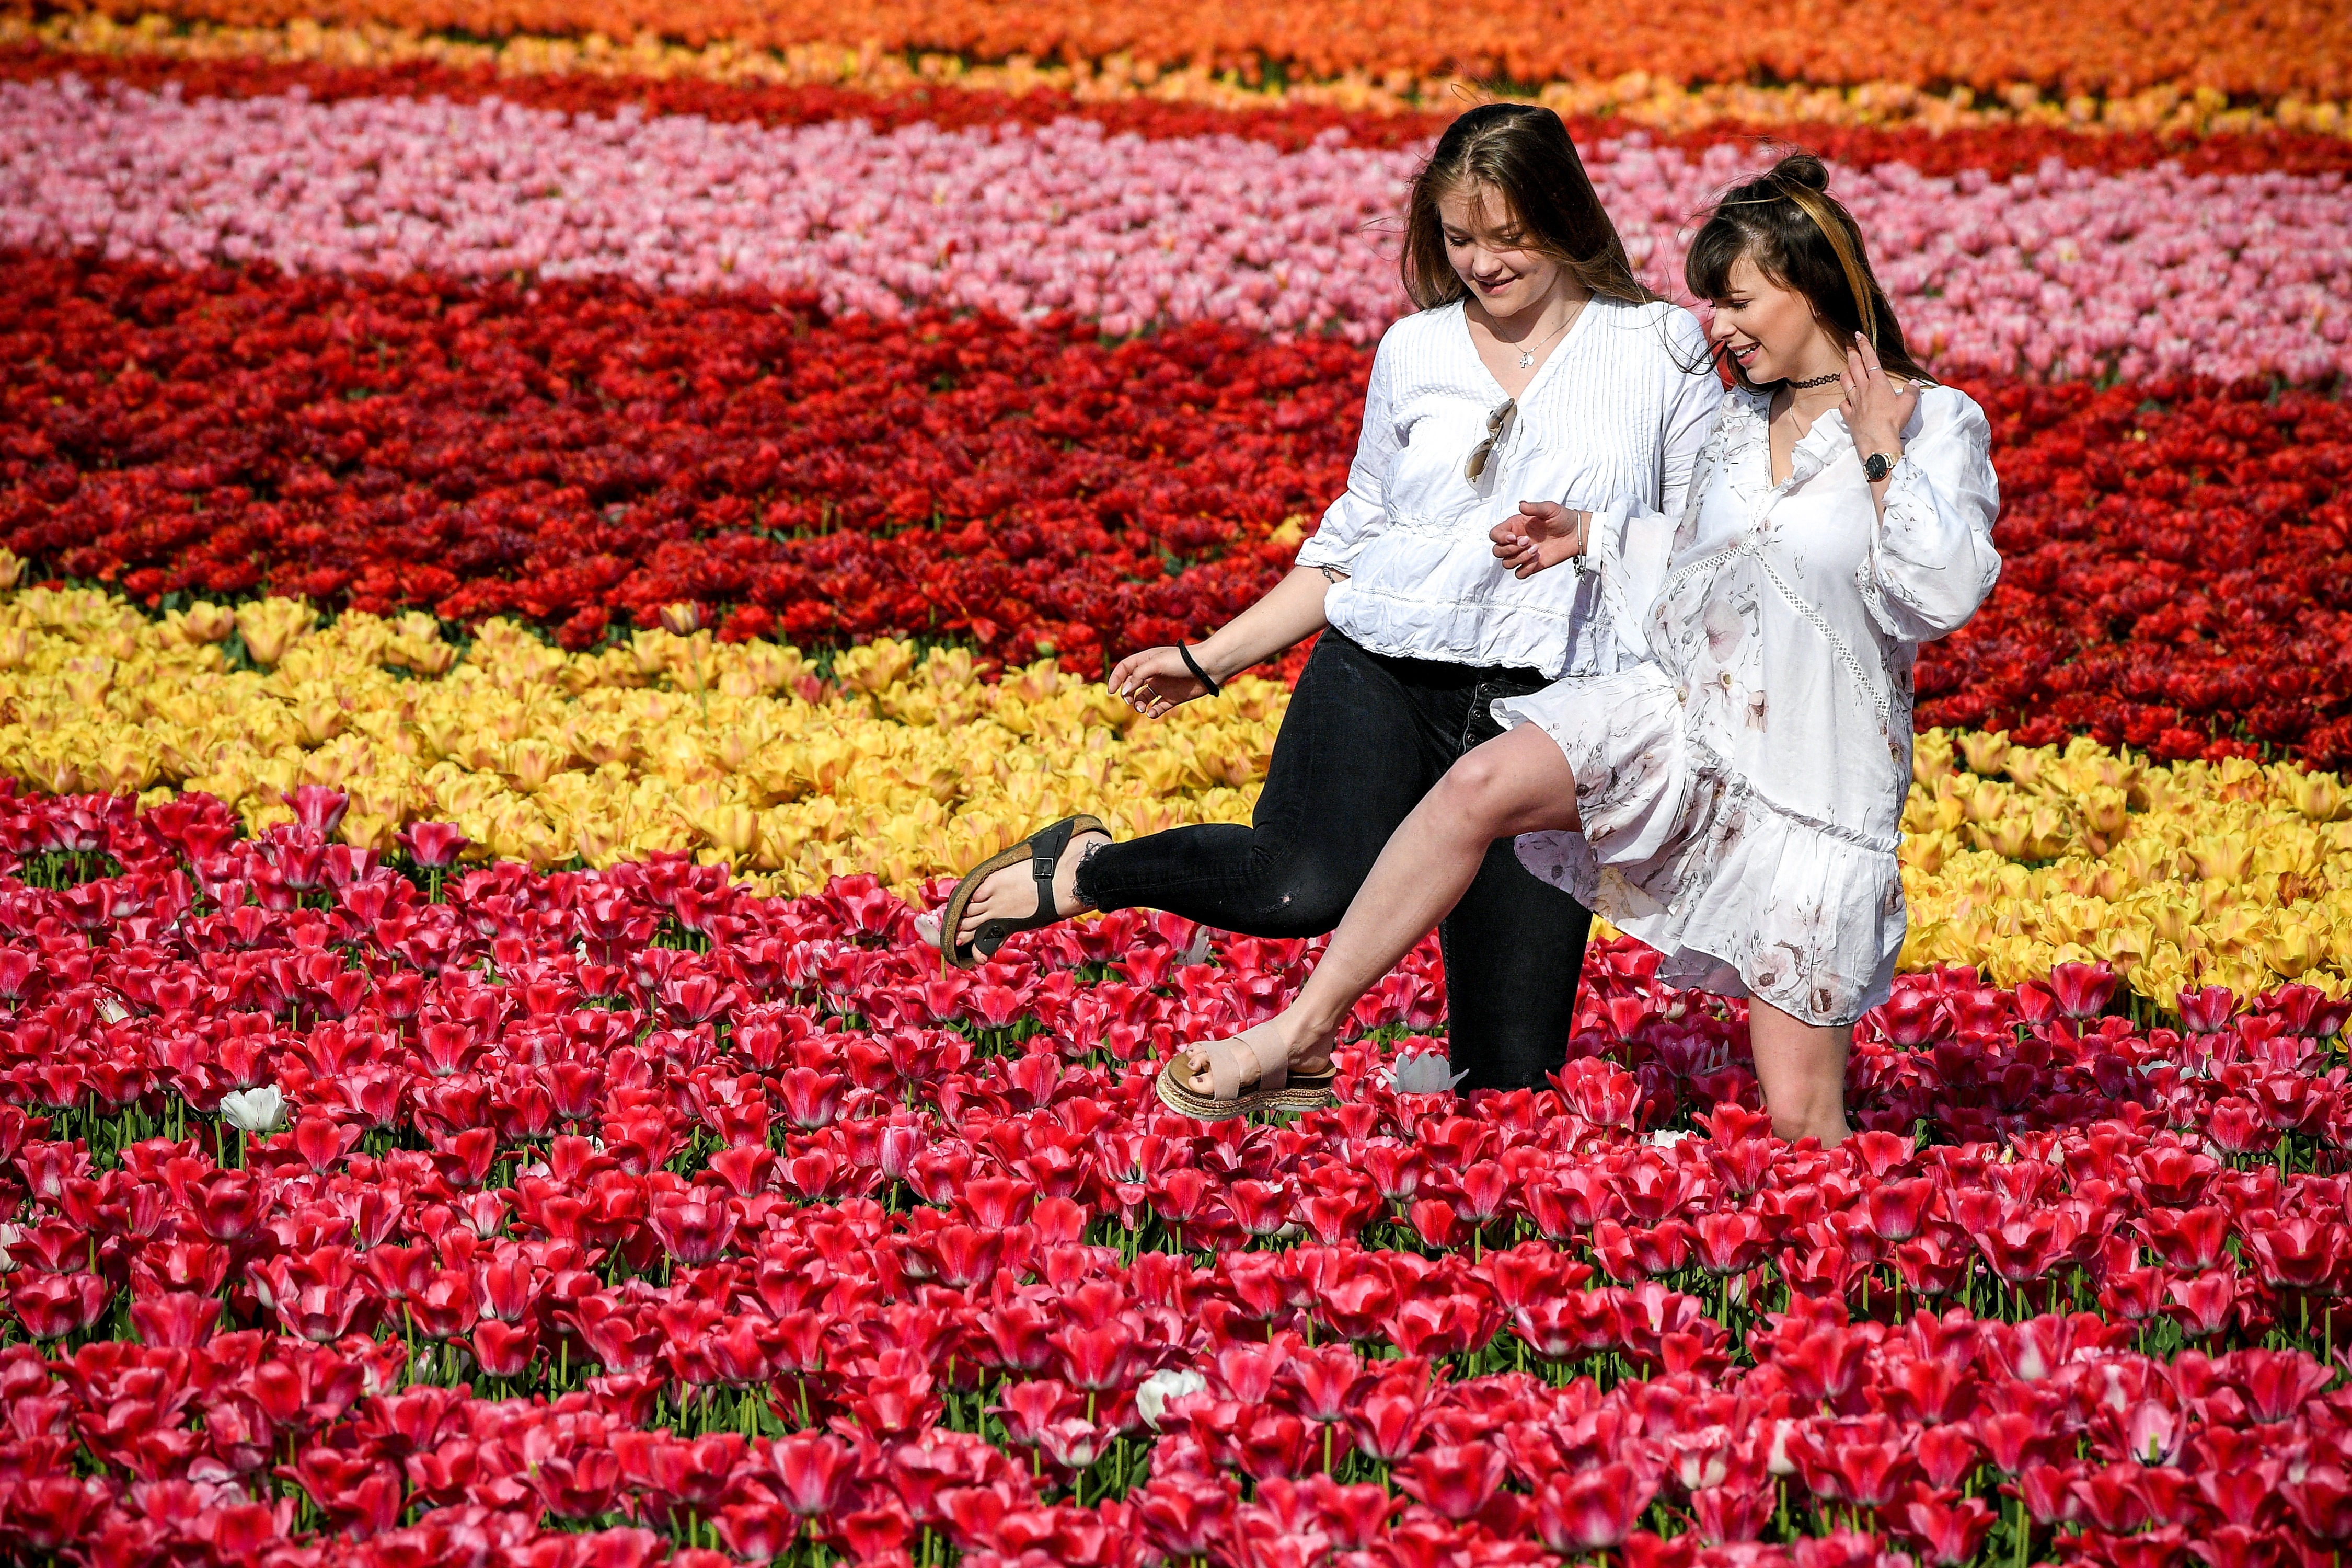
(1518, 783)
(1350, 764)
(1801, 1068)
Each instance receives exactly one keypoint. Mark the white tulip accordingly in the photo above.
(1667, 1137)
(1151, 1399)
(261, 1111)
(1423, 1074)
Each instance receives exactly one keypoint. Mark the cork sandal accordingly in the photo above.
(1247, 1073)
(1043, 851)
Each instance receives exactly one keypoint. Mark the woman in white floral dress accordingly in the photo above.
(1734, 797)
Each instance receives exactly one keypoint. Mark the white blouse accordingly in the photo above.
(1742, 786)
(1618, 413)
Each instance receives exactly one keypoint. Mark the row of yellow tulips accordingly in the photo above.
(911, 766)
(1637, 96)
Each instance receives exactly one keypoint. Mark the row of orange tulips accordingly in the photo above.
(2179, 67)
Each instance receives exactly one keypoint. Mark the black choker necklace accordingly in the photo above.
(1817, 381)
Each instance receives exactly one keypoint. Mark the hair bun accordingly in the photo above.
(1803, 169)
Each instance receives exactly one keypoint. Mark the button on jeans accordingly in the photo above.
(1366, 737)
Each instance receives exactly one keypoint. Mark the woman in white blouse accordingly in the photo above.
(1734, 798)
(1539, 366)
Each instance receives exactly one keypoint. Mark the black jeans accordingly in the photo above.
(1366, 737)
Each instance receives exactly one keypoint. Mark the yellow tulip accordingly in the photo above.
(2222, 856)
(2293, 947)
(2123, 945)
(2317, 796)
(272, 625)
(125, 768)
(1987, 754)
(1931, 759)
(2025, 765)
(911, 767)
(528, 763)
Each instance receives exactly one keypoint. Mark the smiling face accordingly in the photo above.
(1490, 256)
(1771, 330)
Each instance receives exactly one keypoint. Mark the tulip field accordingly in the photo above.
(535, 538)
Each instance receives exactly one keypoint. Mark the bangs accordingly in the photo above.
(1707, 269)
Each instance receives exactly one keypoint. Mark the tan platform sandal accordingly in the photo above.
(1246, 1073)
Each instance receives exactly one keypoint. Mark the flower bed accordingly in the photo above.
(613, 1216)
(601, 452)
(579, 457)
(2018, 859)
(1866, 124)
(2266, 49)
(2065, 272)
(2170, 574)
(417, 1147)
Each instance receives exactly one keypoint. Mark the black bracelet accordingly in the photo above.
(1198, 673)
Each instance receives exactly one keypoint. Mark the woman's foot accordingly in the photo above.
(1279, 1065)
(1009, 892)
(1308, 1051)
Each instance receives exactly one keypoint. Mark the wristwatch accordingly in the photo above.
(1877, 467)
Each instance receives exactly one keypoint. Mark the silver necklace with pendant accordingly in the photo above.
(1528, 356)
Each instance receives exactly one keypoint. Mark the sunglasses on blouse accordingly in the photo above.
(1497, 421)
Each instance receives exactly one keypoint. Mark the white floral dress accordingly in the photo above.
(1741, 786)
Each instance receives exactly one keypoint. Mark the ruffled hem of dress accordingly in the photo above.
(1743, 899)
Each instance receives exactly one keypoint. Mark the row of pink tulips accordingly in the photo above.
(2068, 272)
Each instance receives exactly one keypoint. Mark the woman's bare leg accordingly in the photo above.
(1517, 783)
(1801, 1068)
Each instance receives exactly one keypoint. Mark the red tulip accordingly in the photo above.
(2299, 1253)
(1454, 1480)
(1389, 1422)
(317, 809)
(51, 1306)
(434, 846)
(503, 1349)
(2207, 1010)
(1592, 1510)
(810, 1469)
(2322, 1500)
(760, 1531)
(1948, 1532)
(695, 1227)
(2274, 1383)
(2203, 1305)
(179, 1319)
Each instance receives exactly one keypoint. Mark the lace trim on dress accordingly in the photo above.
(1814, 617)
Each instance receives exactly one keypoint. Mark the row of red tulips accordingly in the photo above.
(1998, 150)
(2173, 570)
(580, 1218)
(581, 455)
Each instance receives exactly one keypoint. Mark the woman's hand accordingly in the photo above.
(1155, 681)
(1877, 405)
(1542, 534)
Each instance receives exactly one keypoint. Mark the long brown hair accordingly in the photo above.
(1524, 153)
(1802, 238)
